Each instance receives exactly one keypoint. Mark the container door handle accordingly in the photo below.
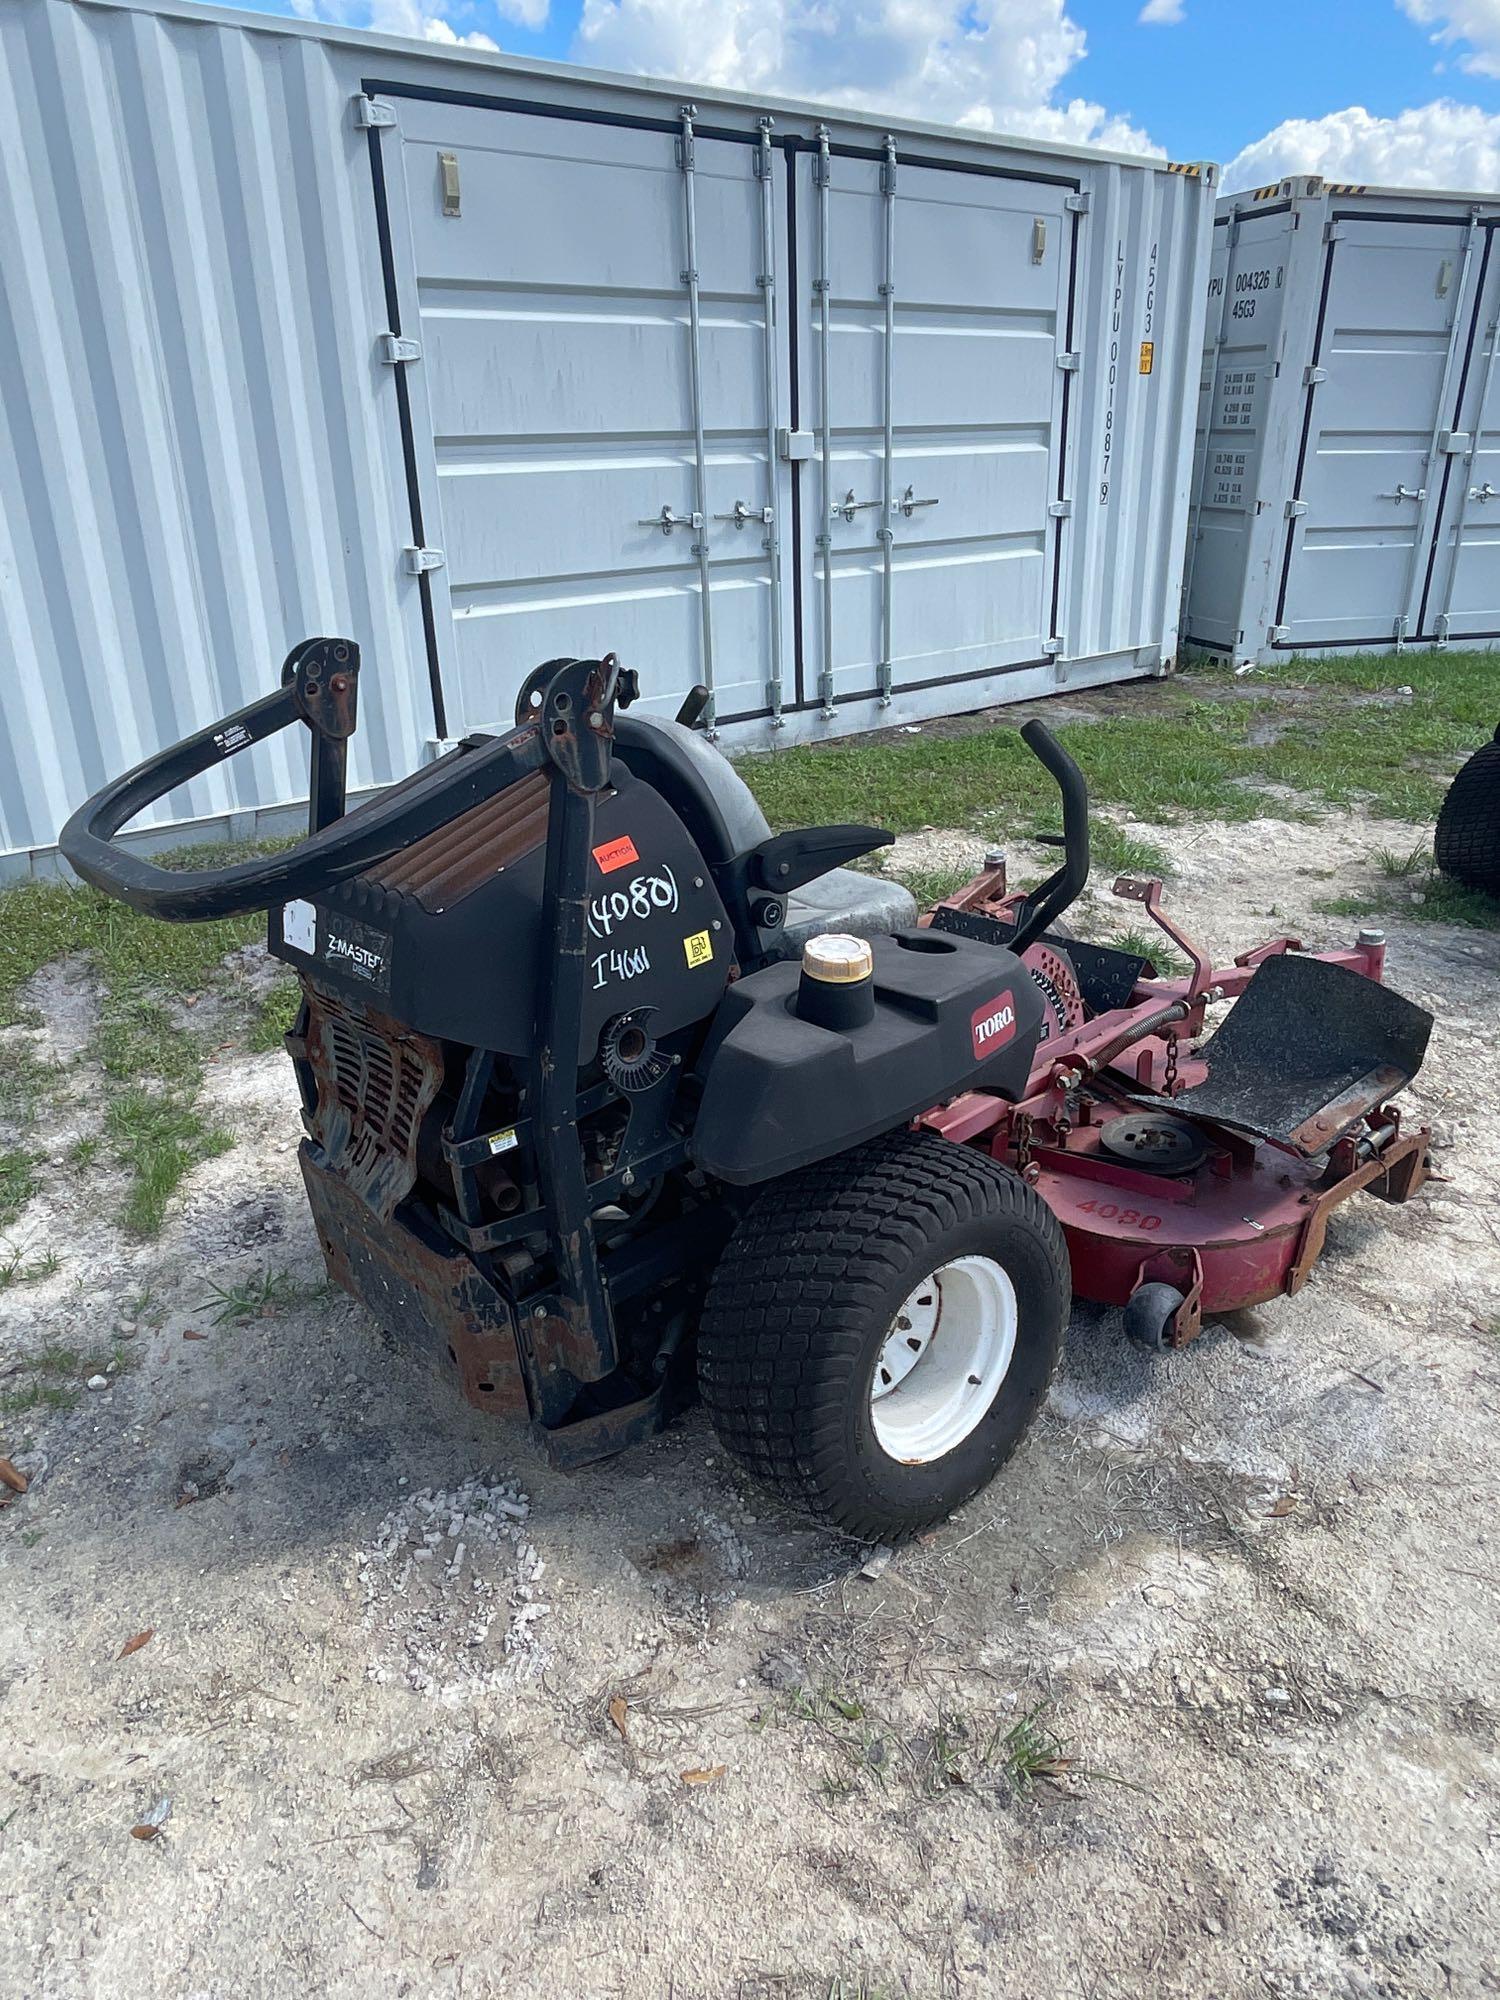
(1405, 493)
(666, 520)
(909, 506)
(1483, 493)
(743, 514)
(849, 506)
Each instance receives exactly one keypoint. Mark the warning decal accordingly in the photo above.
(1148, 356)
(698, 949)
(616, 854)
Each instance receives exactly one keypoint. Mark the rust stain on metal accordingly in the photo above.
(435, 1298)
(376, 1081)
(455, 860)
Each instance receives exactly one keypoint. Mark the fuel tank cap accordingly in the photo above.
(837, 959)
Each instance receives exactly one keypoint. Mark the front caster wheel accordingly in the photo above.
(882, 1329)
(1151, 1315)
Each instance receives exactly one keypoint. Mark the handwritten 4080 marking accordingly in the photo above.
(639, 897)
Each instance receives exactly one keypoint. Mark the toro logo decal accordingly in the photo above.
(616, 854)
(993, 1025)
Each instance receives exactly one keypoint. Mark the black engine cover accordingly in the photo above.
(779, 1092)
(446, 936)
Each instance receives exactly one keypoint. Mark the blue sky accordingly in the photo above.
(1400, 91)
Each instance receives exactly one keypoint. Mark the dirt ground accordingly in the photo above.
(416, 1711)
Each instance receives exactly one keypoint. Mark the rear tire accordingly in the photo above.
(834, 1273)
(1468, 828)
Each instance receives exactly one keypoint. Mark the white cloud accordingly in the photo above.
(996, 65)
(1440, 145)
(410, 17)
(1161, 14)
(1471, 27)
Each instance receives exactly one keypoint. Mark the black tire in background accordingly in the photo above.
(1468, 828)
(807, 1293)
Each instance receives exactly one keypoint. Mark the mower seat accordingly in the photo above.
(719, 810)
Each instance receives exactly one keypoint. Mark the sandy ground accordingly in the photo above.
(1252, 1587)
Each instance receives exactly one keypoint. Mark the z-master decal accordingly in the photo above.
(357, 949)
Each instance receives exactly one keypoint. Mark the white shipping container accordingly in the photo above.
(480, 361)
(1347, 478)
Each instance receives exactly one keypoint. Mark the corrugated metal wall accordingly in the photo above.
(196, 452)
(201, 451)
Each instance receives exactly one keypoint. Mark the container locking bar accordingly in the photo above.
(685, 160)
(886, 530)
(763, 162)
(822, 178)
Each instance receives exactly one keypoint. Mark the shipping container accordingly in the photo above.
(1347, 478)
(480, 361)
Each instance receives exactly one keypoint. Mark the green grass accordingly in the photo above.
(251, 1298)
(18, 1181)
(54, 1377)
(275, 1017)
(15, 1269)
(1207, 744)
(160, 1137)
(152, 1058)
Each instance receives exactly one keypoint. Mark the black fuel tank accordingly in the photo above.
(780, 1091)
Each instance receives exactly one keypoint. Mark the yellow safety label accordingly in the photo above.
(1148, 356)
(699, 948)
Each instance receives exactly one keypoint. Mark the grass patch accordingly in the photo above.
(1333, 731)
(275, 1018)
(18, 1181)
(54, 1377)
(153, 1063)
(161, 1137)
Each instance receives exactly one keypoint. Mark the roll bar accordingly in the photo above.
(319, 684)
(1044, 904)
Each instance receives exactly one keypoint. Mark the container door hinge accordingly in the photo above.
(1398, 631)
(1059, 510)
(369, 112)
(1077, 204)
(1454, 441)
(1441, 626)
(1278, 635)
(1333, 232)
(1295, 509)
(1068, 362)
(1055, 645)
(1311, 377)
(396, 348)
(420, 560)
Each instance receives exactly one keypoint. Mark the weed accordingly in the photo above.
(83, 1152)
(252, 1298)
(24, 1082)
(1398, 866)
(1028, 1753)
(14, 1269)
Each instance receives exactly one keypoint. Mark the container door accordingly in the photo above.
(1246, 309)
(601, 413)
(933, 304)
(1464, 590)
(1392, 338)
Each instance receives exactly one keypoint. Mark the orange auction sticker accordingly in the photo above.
(616, 854)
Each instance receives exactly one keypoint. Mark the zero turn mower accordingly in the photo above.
(608, 1089)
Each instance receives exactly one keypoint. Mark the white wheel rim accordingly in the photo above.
(942, 1363)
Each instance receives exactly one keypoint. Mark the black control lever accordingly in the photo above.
(1046, 903)
(790, 861)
